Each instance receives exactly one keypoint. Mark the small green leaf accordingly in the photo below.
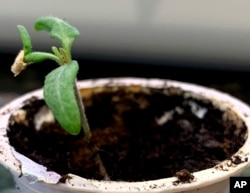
(60, 96)
(27, 47)
(58, 29)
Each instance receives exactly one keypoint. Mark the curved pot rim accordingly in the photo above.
(15, 162)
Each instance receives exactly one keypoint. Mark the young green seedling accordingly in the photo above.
(60, 89)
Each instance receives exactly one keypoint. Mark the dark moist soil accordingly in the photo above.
(135, 139)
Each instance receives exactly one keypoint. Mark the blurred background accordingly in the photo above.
(204, 42)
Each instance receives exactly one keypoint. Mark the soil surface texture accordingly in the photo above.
(141, 134)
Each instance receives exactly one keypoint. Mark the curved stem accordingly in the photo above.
(35, 57)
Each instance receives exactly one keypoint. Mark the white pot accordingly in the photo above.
(32, 177)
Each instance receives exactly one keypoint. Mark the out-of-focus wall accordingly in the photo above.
(199, 32)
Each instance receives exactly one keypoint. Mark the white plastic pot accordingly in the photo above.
(31, 177)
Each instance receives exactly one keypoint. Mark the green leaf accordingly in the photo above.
(58, 29)
(27, 47)
(60, 96)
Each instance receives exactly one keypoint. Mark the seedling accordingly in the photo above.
(60, 89)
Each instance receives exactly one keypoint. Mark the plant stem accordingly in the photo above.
(84, 121)
(87, 135)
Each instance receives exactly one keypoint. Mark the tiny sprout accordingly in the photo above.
(60, 90)
(59, 86)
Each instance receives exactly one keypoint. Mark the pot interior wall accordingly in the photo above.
(141, 134)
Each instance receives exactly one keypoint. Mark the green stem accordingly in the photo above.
(87, 135)
(84, 121)
(35, 57)
(58, 55)
(67, 50)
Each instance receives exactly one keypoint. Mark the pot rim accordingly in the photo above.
(15, 161)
